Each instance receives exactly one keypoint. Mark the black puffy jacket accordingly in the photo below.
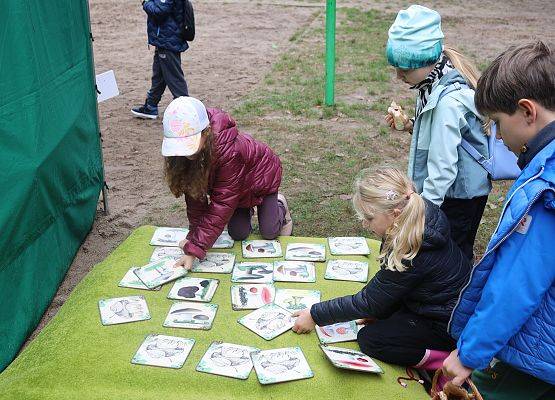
(429, 287)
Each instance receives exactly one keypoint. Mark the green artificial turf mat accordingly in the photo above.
(76, 357)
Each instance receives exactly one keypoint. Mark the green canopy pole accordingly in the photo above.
(330, 52)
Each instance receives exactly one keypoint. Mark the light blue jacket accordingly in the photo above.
(438, 165)
(507, 310)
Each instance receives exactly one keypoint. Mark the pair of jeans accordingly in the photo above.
(271, 217)
(502, 382)
(166, 71)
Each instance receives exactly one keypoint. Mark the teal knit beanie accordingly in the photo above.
(415, 38)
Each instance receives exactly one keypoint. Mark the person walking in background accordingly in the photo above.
(165, 28)
(441, 169)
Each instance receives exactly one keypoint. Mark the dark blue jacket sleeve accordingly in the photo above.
(523, 272)
(158, 8)
(380, 298)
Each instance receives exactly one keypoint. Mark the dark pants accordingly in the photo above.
(464, 217)
(166, 71)
(503, 382)
(403, 338)
(271, 217)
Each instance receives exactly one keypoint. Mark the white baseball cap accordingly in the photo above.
(184, 120)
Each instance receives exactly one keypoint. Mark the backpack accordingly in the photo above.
(188, 21)
(502, 163)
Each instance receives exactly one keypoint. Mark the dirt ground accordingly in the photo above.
(237, 42)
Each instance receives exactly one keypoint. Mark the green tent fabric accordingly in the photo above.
(51, 172)
(76, 357)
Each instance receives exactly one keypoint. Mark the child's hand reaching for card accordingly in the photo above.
(186, 262)
(304, 322)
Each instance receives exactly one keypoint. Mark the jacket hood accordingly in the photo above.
(222, 125)
(436, 227)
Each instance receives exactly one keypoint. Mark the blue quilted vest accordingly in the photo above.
(532, 349)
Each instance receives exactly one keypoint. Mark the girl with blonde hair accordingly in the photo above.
(443, 171)
(406, 306)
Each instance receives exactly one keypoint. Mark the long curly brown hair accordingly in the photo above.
(190, 177)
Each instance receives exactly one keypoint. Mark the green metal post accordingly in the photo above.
(330, 52)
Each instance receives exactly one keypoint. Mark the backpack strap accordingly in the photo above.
(475, 154)
(465, 144)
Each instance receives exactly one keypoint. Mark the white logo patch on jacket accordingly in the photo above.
(524, 224)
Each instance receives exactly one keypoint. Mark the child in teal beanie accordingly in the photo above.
(441, 169)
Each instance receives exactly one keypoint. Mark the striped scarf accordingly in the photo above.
(442, 67)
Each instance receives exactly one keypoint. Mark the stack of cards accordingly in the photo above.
(350, 359)
(216, 263)
(305, 252)
(163, 351)
(348, 246)
(191, 315)
(159, 272)
(261, 248)
(251, 297)
(295, 299)
(268, 322)
(224, 241)
(120, 310)
(194, 289)
(168, 236)
(347, 270)
(281, 365)
(340, 332)
(294, 271)
(130, 280)
(162, 252)
(253, 272)
(227, 359)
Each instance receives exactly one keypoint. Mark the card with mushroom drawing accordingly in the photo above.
(261, 248)
(191, 315)
(224, 241)
(227, 359)
(348, 246)
(165, 236)
(162, 252)
(159, 272)
(305, 252)
(253, 272)
(294, 271)
(347, 270)
(163, 351)
(120, 310)
(281, 365)
(130, 280)
(194, 289)
(268, 321)
(296, 299)
(216, 263)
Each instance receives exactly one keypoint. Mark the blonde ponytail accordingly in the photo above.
(467, 69)
(382, 191)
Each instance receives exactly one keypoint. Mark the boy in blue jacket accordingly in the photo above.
(504, 320)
